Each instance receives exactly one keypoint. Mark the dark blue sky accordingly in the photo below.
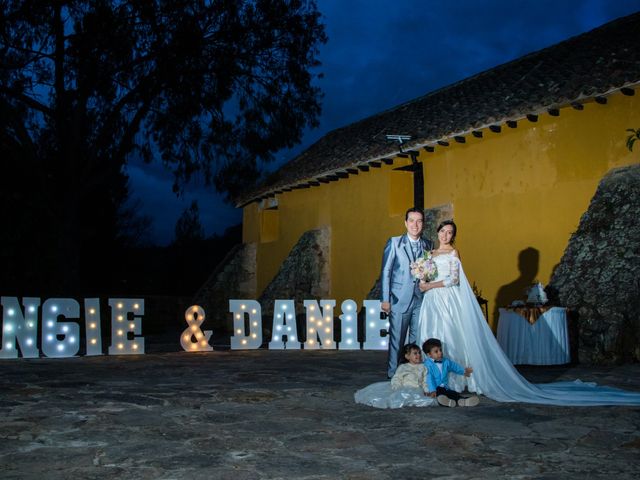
(382, 53)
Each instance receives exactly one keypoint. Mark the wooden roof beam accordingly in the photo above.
(328, 178)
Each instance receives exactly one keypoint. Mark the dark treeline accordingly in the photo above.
(113, 268)
(178, 269)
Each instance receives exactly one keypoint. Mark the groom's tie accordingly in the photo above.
(415, 248)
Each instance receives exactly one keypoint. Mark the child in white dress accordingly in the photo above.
(407, 388)
(412, 372)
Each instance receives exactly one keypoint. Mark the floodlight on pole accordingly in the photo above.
(399, 138)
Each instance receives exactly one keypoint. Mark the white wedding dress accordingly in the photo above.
(452, 314)
(382, 395)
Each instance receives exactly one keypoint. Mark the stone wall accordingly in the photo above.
(598, 276)
(432, 218)
(234, 277)
(305, 273)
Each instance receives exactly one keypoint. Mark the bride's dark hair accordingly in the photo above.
(444, 224)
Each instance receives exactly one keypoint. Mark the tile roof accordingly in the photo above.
(587, 66)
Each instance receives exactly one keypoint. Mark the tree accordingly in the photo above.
(188, 227)
(134, 228)
(206, 86)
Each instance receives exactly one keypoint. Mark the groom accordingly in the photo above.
(401, 297)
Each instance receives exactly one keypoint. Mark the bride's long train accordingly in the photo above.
(453, 315)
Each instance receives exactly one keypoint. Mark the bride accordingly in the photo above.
(451, 313)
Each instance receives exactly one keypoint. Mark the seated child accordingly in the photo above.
(438, 369)
(412, 373)
(407, 388)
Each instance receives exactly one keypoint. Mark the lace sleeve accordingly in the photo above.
(453, 278)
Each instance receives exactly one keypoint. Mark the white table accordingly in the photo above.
(545, 342)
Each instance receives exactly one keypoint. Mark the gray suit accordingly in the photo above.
(401, 290)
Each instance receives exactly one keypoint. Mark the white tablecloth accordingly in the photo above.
(546, 342)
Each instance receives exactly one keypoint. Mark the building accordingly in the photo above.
(514, 154)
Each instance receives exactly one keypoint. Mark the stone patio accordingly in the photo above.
(289, 414)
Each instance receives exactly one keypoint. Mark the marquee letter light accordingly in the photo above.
(284, 325)
(19, 326)
(349, 326)
(373, 340)
(319, 324)
(194, 316)
(92, 326)
(240, 309)
(121, 325)
(69, 345)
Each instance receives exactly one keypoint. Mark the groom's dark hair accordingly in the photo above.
(413, 209)
(430, 343)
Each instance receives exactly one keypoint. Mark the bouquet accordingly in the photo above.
(424, 268)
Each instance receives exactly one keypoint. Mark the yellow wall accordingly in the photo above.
(358, 212)
(527, 187)
(523, 188)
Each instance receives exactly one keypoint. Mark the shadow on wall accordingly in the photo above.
(528, 264)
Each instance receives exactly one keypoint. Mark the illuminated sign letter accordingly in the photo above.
(373, 326)
(319, 324)
(121, 325)
(19, 326)
(349, 326)
(52, 329)
(244, 311)
(284, 328)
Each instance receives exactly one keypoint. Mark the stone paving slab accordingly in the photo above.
(282, 415)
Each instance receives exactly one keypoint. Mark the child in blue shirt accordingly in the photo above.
(438, 369)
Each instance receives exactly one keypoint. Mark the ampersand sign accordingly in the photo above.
(194, 316)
